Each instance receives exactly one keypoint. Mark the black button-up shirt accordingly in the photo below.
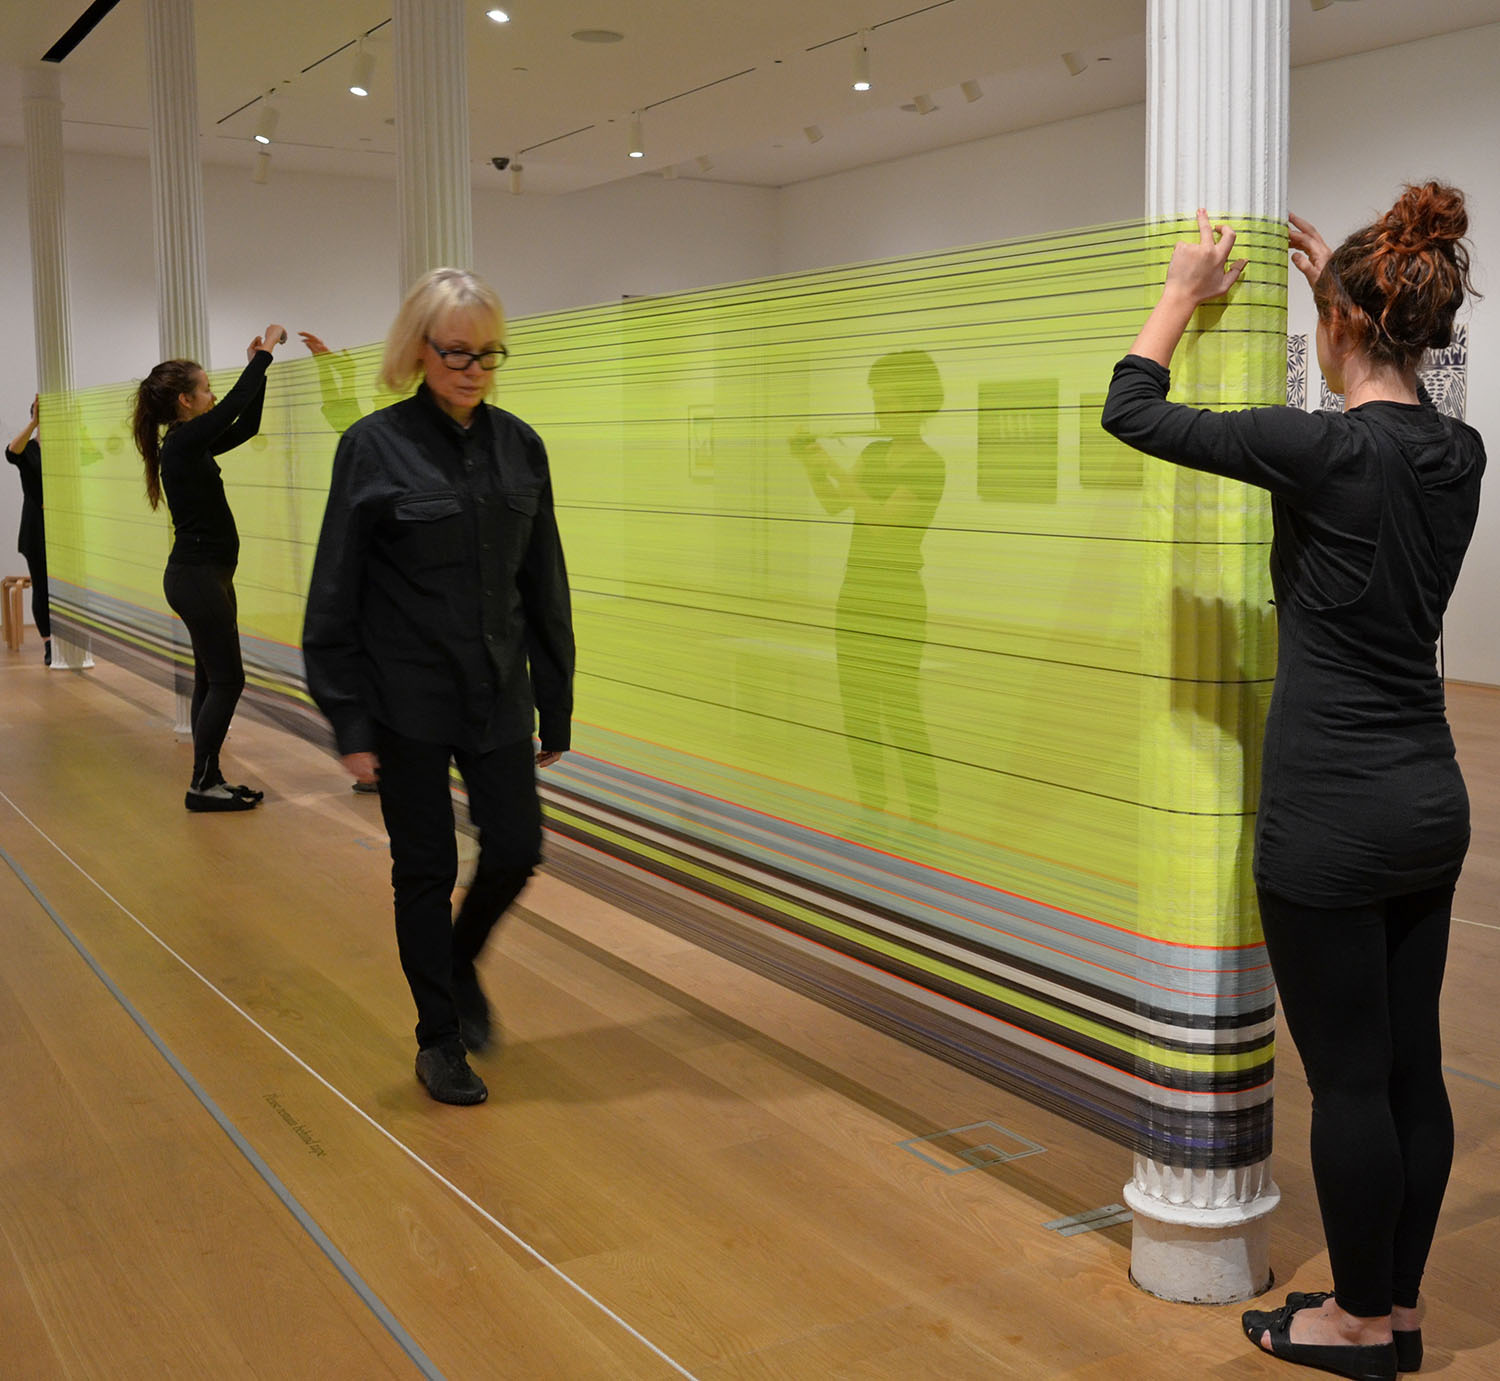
(439, 602)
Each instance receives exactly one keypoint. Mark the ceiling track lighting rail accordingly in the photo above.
(883, 24)
(342, 48)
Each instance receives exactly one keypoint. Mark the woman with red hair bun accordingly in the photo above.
(1364, 820)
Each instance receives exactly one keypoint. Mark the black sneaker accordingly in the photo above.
(474, 1026)
(366, 788)
(447, 1077)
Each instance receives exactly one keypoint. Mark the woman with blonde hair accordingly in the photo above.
(1363, 821)
(438, 630)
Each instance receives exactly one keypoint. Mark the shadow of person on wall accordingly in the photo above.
(892, 492)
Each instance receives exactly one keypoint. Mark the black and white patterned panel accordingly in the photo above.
(1296, 371)
(1444, 374)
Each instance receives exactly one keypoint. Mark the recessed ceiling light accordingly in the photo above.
(499, 16)
(597, 35)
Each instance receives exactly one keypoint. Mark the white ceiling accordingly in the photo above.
(732, 83)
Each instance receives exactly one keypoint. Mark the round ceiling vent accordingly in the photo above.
(597, 35)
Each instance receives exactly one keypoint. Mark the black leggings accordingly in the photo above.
(41, 610)
(203, 598)
(1359, 987)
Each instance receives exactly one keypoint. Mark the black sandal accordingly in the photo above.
(1360, 1362)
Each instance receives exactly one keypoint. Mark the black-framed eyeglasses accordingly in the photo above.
(488, 360)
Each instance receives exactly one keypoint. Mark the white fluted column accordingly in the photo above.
(177, 219)
(42, 106)
(433, 193)
(42, 113)
(176, 181)
(1217, 138)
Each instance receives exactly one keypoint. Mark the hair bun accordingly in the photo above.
(1426, 214)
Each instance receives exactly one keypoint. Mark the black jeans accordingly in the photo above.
(203, 598)
(1359, 987)
(418, 811)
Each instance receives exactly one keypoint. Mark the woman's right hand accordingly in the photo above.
(1310, 251)
(274, 335)
(314, 344)
(363, 767)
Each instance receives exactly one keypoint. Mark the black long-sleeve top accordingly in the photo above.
(439, 604)
(1361, 795)
(31, 540)
(203, 526)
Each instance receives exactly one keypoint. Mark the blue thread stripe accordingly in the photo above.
(341, 1263)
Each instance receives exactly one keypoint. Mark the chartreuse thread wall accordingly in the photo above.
(1011, 791)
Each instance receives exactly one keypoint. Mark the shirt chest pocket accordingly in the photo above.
(428, 531)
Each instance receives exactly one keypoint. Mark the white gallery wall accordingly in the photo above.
(319, 252)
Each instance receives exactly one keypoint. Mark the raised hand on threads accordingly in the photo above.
(1201, 271)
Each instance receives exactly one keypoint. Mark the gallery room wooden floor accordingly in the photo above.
(215, 1160)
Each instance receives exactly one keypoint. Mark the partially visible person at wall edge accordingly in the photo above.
(26, 455)
(439, 631)
(199, 580)
(1364, 819)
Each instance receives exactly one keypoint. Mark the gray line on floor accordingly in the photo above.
(341, 1263)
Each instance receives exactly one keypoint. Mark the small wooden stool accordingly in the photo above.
(11, 589)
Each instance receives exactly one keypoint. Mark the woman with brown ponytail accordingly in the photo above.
(1364, 819)
(199, 579)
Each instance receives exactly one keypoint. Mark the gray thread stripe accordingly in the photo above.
(341, 1263)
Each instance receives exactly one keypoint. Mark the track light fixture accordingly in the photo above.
(924, 104)
(705, 163)
(364, 69)
(265, 126)
(862, 62)
(262, 168)
(813, 133)
(1075, 63)
(637, 143)
(515, 178)
(971, 90)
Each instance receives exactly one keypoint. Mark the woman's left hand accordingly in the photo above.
(546, 757)
(1201, 272)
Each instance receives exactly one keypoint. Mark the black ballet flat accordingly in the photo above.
(1408, 1340)
(215, 798)
(1365, 1362)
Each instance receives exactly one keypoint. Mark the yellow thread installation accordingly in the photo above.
(867, 601)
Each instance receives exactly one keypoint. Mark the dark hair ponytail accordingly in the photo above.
(156, 407)
(1399, 282)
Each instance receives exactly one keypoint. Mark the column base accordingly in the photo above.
(70, 656)
(1201, 1255)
